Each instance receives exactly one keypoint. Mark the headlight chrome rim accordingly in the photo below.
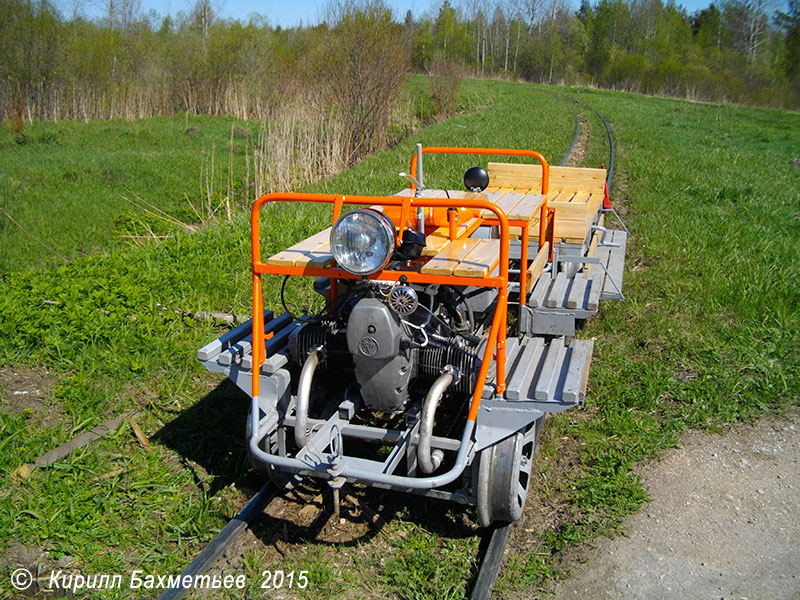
(366, 250)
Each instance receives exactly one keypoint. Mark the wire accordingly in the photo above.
(421, 328)
(470, 314)
(325, 309)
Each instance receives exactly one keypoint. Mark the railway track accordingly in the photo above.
(494, 541)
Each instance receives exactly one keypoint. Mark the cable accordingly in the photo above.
(325, 309)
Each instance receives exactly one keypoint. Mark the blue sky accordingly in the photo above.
(288, 13)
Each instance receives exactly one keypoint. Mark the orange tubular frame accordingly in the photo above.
(497, 333)
(543, 214)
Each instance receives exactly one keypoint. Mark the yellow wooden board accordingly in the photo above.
(561, 178)
(318, 259)
(526, 208)
(537, 266)
(581, 197)
(505, 203)
(449, 257)
(493, 196)
(571, 229)
(438, 239)
(435, 241)
(570, 211)
(301, 251)
(556, 172)
(594, 202)
(562, 196)
(481, 260)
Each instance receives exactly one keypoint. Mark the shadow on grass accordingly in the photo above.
(211, 434)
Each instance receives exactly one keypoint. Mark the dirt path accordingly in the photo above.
(724, 522)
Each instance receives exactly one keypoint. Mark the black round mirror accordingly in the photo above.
(476, 179)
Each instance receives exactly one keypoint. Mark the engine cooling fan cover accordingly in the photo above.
(403, 300)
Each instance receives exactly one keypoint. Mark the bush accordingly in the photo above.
(360, 71)
(446, 77)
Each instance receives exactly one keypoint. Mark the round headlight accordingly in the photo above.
(362, 241)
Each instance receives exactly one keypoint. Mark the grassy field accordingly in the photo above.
(708, 336)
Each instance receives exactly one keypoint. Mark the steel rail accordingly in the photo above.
(610, 142)
(492, 559)
(574, 140)
(612, 151)
(209, 555)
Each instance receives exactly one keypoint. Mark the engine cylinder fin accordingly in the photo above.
(434, 358)
(321, 334)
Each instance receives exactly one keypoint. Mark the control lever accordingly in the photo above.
(419, 186)
(604, 243)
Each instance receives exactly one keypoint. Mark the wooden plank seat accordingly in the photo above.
(518, 205)
(313, 252)
(575, 193)
(466, 257)
(436, 241)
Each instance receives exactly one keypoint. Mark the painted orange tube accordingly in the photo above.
(258, 332)
(543, 224)
(497, 334)
(488, 151)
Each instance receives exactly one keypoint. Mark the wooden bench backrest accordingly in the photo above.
(511, 175)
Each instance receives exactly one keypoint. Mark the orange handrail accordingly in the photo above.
(497, 151)
(497, 334)
(543, 213)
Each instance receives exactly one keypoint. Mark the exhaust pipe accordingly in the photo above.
(429, 461)
(303, 395)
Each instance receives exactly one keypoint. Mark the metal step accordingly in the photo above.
(232, 354)
(550, 377)
(561, 294)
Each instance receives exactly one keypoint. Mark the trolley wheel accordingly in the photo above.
(504, 473)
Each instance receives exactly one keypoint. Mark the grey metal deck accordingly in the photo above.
(548, 376)
(580, 295)
(232, 353)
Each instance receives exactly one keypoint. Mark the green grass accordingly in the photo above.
(64, 182)
(708, 336)
(709, 332)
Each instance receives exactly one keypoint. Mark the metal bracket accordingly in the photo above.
(603, 243)
(621, 222)
(596, 261)
(498, 419)
(549, 322)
